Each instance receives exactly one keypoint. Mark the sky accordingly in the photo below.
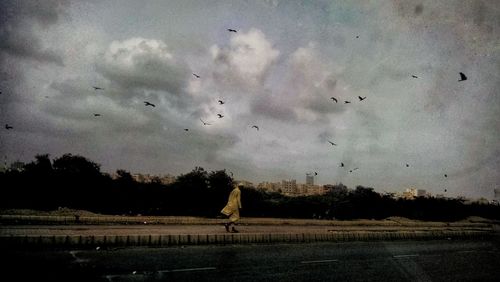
(278, 72)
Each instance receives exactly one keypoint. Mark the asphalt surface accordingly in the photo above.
(438, 260)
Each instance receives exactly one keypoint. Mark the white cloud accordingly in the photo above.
(248, 58)
(144, 63)
(312, 82)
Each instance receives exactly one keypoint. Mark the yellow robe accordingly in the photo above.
(233, 205)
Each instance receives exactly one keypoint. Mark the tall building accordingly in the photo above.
(309, 179)
(289, 187)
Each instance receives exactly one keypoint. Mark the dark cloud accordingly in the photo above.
(324, 137)
(27, 46)
(386, 72)
(270, 107)
(19, 35)
(322, 105)
(419, 9)
(44, 13)
(144, 63)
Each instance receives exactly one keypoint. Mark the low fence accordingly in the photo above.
(113, 241)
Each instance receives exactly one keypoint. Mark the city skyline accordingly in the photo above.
(384, 94)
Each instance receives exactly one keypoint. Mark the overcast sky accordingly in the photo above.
(278, 71)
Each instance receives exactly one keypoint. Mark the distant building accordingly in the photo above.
(412, 193)
(314, 190)
(245, 183)
(148, 178)
(270, 186)
(337, 188)
(421, 193)
(309, 179)
(167, 179)
(17, 166)
(289, 187)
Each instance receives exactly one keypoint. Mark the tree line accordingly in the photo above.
(76, 182)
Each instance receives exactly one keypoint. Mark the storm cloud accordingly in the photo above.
(278, 71)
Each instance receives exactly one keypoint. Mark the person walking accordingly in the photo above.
(232, 208)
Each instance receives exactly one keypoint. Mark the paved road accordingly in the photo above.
(443, 260)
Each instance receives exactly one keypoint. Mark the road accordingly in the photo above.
(438, 260)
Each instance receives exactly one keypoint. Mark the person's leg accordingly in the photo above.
(234, 229)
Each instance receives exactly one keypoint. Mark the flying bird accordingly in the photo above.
(231, 30)
(333, 144)
(446, 175)
(220, 116)
(445, 190)
(361, 98)
(341, 164)
(185, 129)
(347, 102)
(315, 173)
(8, 127)
(353, 169)
(146, 103)
(334, 99)
(204, 123)
(97, 115)
(414, 76)
(256, 127)
(197, 76)
(462, 77)
(357, 36)
(97, 88)
(221, 102)
(407, 165)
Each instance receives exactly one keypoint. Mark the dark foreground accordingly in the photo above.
(438, 260)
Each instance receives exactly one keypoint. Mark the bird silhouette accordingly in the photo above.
(347, 102)
(256, 127)
(197, 76)
(220, 116)
(407, 165)
(462, 77)
(221, 102)
(361, 98)
(341, 164)
(334, 99)
(97, 115)
(231, 30)
(446, 175)
(205, 123)
(146, 103)
(97, 88)
(357, 36)
(414, 76)
(353, 169)
(315, 173)
(8, 127)
(333, 144)
(445, 190)
(185, 129)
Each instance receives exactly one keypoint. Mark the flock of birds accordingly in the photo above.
(463, 77)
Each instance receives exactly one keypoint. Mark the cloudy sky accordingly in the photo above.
(278, 71)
